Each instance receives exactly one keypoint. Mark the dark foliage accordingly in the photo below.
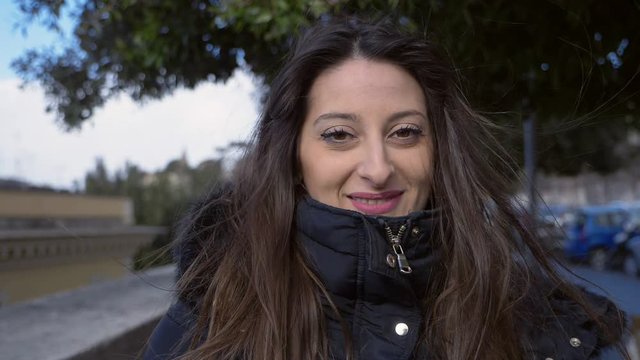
(574, 64)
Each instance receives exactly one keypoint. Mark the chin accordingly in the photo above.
(397, 213)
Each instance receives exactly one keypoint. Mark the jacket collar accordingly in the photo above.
(349, 249)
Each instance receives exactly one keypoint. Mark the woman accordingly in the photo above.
(370, 219)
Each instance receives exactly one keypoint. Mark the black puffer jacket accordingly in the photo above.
(378, 297)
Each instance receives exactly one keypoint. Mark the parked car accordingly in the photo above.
(550, 224)
(591, 234)
(625, 254)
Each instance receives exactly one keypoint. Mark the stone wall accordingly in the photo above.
(28, 248)
(38, 262)
(110, 320)
(24, 205)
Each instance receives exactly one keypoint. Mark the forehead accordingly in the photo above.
(357, 84)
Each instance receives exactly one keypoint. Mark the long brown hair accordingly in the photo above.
(258, 299)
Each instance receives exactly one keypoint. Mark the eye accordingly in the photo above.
(336, 136)
(407, 134)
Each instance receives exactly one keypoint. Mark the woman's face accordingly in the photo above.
(365, 144)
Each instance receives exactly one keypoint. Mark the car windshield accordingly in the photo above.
(617, 218)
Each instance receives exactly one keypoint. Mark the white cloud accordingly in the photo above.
(33, 147)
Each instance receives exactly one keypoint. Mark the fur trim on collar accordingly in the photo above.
(195, 228)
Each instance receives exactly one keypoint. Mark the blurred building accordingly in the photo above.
(51, 241)
(591, 188)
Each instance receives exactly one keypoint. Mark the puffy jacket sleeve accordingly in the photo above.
(566, 332)
(171, 337)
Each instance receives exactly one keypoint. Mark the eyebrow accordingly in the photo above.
(353, 117)
(403, 114)
(336, 115)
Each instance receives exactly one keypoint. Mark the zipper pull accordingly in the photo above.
(403, 263)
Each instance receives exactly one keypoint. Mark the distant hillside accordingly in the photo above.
(19, 185)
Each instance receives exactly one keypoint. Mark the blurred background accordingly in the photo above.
(114, 115)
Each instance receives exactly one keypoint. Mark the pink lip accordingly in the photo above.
(386, 201)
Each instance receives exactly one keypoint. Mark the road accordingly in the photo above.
(622, 289)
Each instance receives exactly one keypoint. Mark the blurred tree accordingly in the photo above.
(158, 198)
(134, 189)
(574, 63)
(207, 173)
(98, 182)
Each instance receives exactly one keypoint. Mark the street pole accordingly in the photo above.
(530, 162)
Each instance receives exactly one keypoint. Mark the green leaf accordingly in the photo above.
(264, 17)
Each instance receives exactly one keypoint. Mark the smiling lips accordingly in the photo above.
(376, 203)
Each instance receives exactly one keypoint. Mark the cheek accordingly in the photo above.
(418, 168)
(311, 166)
(426, 171)
(324, 173)
(321, 173)
(419, 174)
(420, 178)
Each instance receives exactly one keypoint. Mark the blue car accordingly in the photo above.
(551, 223)
(625, 255)
(592, 233)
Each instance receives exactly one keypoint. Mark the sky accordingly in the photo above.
(34, 148)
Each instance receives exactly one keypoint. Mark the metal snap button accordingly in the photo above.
(575, 342)
(415, 231)
(402, 329)
(391, 260)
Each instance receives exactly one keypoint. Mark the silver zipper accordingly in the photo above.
(403, 263)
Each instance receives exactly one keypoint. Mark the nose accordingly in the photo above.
(375, 165)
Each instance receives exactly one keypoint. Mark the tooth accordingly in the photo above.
(370, 201)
